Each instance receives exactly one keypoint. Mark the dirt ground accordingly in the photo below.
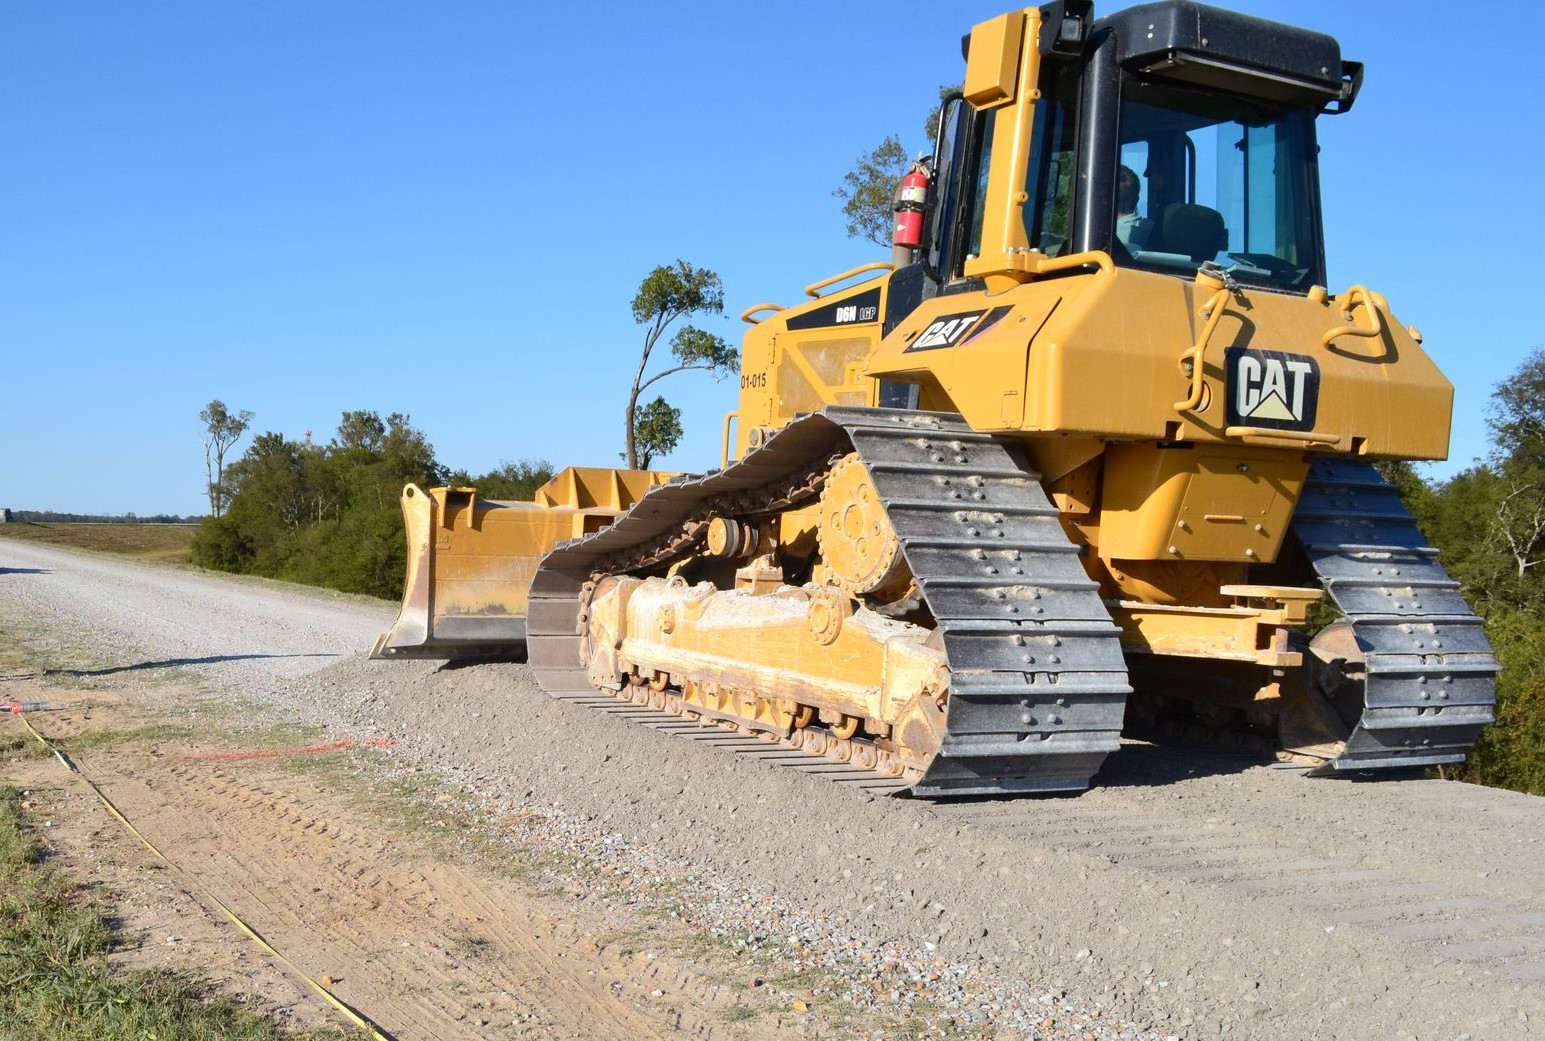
(506, 865)
(424, 944)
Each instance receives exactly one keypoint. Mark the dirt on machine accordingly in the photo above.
(1095, 455)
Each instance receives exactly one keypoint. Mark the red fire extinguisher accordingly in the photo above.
(910, 201)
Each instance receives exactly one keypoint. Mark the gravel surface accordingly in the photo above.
(1190, 895)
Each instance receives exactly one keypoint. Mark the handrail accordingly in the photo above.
(1046, 265)
(1354, 296)
(814, 288)
(745, 316)
(1297, 436)
(1212, 311)
(724, 457)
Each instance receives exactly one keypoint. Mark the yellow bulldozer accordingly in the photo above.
(1097, 453)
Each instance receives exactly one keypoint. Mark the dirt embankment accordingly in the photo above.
(664, 887)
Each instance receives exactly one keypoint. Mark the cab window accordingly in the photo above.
(1206, 178)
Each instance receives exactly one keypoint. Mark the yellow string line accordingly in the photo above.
(357, 1018)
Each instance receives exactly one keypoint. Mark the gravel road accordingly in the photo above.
(1189, 895)
(237, 632)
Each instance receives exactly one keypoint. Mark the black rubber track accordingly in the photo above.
(1431, 676)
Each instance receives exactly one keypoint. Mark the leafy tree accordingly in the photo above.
(868, 191)
(508, 482)
(361, 429)
(1489, 523)
(221, 431)
(667, 294)
(1517, 421)
(1511, 752)
(658, 430)
(1458, 517)
(1517, 415)
(326, 515)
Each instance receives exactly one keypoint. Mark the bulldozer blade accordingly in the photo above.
(471, 560)
(464, 597)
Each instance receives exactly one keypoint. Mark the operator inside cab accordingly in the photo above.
(1209, 178)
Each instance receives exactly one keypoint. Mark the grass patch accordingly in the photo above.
(97, 740)
(67, 653)
(163, 543)
(800, 979)
(57, 983)
(22, 746)
(421, 807)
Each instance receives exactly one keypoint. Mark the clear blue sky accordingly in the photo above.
(444, 209)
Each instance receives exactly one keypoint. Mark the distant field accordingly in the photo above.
(167, 543)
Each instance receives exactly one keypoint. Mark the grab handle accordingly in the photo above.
(1212, 312)
(745, 316)
(1303, 437)
(1354, 296)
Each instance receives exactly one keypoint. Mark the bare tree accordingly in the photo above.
(1521, 525)
(221, 431)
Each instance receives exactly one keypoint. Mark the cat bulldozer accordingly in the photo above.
(1098, 453)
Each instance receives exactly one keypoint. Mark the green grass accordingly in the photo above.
(55, 981)
(99, 740)
(67, 653)
(423, 808)
(22, 746)
(800, 979)
(166, 543)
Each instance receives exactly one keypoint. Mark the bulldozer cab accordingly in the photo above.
(1166, 137)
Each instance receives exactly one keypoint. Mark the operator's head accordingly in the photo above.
(1127, 189)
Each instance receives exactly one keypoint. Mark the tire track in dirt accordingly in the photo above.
(424, 948)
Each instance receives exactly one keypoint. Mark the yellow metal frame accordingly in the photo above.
(1254, 630)
(724, 454)
(471, 560)
(1005, 259)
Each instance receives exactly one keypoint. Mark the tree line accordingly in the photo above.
(1488, 522)
(55, 517)
(328, 514)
